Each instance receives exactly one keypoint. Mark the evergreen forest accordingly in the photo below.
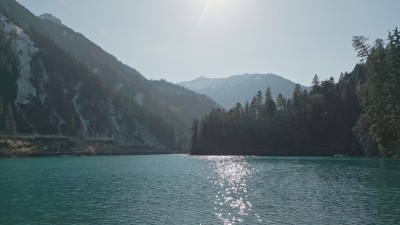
(357, 115)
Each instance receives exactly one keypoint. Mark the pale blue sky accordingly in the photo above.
(180, 40)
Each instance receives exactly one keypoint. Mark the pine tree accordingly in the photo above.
(269, 105)
(281, 104)
(254, 108)
(258, 104)
(316, 84)
(296, 98)
(195, 138)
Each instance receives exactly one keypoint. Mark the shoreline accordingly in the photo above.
(80, 154)
(276, 152)
(53, 147)
(306, 152)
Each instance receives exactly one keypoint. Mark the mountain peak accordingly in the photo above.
(240, 88)
(49, 17)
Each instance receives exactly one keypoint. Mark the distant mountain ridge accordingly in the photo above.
(240, 88)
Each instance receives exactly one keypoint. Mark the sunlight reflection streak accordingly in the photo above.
(231, 202)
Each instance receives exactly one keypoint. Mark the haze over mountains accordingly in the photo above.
(240, 88)
(56, 81)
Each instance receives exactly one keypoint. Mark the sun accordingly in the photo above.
(214, 5)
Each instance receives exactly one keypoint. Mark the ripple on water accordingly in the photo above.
(232, 203)
(179, 189)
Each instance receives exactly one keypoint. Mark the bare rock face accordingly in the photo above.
(37, 104)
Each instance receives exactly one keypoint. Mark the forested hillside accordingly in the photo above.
(58, 46)
(46, 91)
(54, 81)
(357, 115)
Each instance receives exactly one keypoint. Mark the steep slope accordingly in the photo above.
(180, 100)
(45, 91)
(240, 88)
(113, 73)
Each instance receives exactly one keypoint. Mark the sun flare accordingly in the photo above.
(214, 5)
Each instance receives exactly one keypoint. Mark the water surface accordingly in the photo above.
(181, 189)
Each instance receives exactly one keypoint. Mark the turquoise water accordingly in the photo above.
(182, 189)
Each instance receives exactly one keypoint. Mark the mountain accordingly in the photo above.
(112, 72)
(240, 88)
(57, 82)
(185, 103)
(49, 17)
(45, 91)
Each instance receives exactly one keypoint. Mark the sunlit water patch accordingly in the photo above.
(232, 203)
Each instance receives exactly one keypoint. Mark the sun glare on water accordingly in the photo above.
(232, 199)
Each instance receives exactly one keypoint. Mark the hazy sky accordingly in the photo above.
(183, 39)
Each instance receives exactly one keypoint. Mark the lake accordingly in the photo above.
(183, 189)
